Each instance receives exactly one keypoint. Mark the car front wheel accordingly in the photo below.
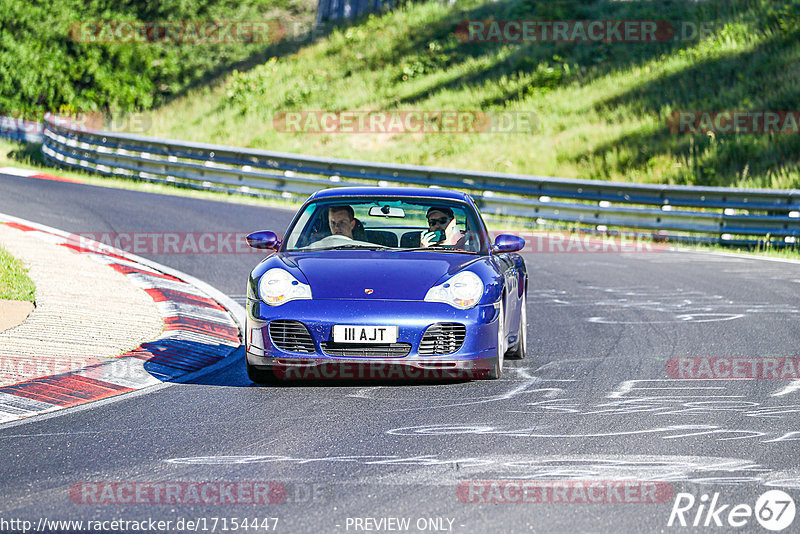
(496, 368)
(520, 348)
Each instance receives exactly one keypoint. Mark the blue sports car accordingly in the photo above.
(385, 283)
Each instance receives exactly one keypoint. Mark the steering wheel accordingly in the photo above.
(331, 241)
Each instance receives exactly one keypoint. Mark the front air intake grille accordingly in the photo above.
(392, 350)
(442, 338)
(291, 336)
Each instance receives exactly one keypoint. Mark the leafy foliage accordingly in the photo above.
(47, 65)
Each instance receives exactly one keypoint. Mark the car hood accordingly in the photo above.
(390, 275)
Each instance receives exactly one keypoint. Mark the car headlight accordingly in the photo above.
(278, 286)
(462, 291)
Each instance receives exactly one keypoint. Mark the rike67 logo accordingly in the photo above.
(774, 510)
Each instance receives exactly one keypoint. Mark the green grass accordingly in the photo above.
(45, 65)
(15, 284)
(602, 108)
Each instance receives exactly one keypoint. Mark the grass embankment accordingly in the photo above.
(52, 57)
(602, 108)
(15, 284)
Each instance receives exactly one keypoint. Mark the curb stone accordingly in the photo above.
(199, 332)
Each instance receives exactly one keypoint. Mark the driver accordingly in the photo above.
(341, 220)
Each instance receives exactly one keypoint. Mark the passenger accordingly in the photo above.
(442, 229)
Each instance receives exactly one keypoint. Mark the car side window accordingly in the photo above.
(316, 227)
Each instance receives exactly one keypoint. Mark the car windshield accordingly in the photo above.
(388, 224)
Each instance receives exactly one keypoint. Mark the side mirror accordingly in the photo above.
(264, 239)
(508, 243)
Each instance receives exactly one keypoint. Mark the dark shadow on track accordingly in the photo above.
(234, 375)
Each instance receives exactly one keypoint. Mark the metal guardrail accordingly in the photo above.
(21, 130)
(711, 211)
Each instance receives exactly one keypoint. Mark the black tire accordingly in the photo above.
(520, 349)
(259, 376)
(496, 367)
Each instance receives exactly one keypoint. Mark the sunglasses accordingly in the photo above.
(440, 220)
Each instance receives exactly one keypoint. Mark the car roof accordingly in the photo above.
(419, 192)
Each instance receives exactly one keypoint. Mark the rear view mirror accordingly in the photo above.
(386, 211)
(264, 239)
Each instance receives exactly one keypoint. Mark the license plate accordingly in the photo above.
(345, 333)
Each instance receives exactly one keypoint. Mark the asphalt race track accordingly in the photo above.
(592, 402)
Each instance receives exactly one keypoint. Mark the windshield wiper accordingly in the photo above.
(350, 246)
(439, 248)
